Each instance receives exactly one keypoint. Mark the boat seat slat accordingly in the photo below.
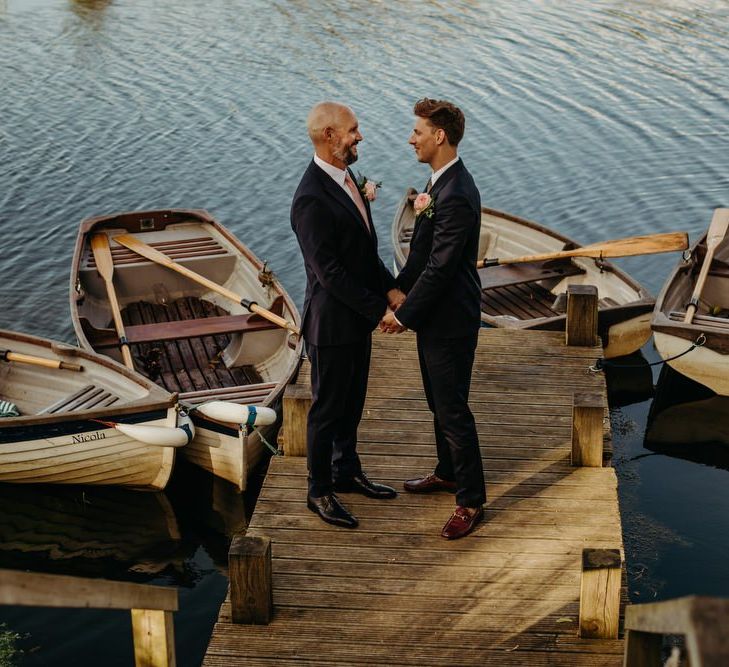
(705, 320)
(85, 398)
(251, 394)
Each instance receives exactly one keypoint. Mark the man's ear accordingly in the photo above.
(440, 136)
(328, 133)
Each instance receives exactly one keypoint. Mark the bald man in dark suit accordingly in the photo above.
(347, 288)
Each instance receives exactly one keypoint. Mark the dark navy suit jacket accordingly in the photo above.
(346, 281)
(439, 277)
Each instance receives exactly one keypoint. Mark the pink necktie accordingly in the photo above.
(357, 196)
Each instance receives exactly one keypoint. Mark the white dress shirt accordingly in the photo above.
(337, 174)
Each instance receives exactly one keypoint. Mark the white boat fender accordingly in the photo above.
(161, 436)
(245, 415)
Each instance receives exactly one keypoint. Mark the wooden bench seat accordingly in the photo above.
(703, 320)
(249, 394)
(506, 275)
(179, 329)
(86, 398)
(199, 247)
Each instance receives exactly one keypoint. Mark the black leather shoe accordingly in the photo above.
(332, 511)
(360, 484)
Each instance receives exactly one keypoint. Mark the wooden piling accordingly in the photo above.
(600, 593)
(296, 404)
(588, 411)
(154, 638)
(581, 327)
(251, 586)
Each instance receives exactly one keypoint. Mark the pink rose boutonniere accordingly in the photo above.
(424, 204)
(367, 187)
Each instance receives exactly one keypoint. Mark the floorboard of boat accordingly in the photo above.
(189, 364)
(526, 301)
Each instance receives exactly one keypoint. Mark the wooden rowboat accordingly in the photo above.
(184, 336)
(83, 424)
(533, 295)
(707, 364)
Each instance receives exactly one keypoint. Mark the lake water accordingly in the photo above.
(599, 119)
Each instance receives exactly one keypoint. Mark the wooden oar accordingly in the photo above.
(9, 355)
(105, 267)
(634, 245)
(715, 235)
(141, 248)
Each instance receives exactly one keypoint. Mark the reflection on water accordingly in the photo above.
(685, 414)
(178, 537)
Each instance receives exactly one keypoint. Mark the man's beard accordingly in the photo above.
(346, 155)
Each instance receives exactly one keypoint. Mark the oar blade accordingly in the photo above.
(102, 255)
(718, 227)
(635, 245)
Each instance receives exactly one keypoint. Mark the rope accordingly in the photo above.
(274, 450)
(601, 364)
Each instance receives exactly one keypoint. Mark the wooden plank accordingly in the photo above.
(33, 589)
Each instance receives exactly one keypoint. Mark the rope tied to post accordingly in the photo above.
(601, 364)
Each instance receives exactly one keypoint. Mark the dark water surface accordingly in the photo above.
(600, 119)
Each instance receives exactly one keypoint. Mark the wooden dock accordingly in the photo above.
(393, 592)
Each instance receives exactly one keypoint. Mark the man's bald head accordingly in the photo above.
(326, 115)
(334, 131)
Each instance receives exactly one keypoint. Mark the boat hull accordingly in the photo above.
(247, 363)
(708, 362)
(60, 437)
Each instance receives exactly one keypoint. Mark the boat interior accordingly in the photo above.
(37, 390)
(713, 310)
(533, 290)
(182, 335)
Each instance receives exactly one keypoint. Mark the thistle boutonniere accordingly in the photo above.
(367, 187)
(424, 204)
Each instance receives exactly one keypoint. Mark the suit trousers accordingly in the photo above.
(339, 376)
(446, 365)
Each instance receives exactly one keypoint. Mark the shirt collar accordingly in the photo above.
(437, 174)
(337, 174)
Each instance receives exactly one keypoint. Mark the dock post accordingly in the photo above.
(296, 404)
(588, 411)
(154, 638)
(581, 327)
(600, 593)
(251, 585)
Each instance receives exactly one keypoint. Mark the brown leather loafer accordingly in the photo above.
(429, 483)
(461, 523)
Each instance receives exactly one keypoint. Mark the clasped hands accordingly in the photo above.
(388, 323)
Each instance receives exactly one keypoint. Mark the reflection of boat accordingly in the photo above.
(685, 412)
(708, 363)
(58, 436)
(532, 295)
(183, 335)
(86, 530)
(629, 380)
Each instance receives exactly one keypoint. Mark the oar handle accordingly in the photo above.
(486, 263)
(8, 355)
(253, 307)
